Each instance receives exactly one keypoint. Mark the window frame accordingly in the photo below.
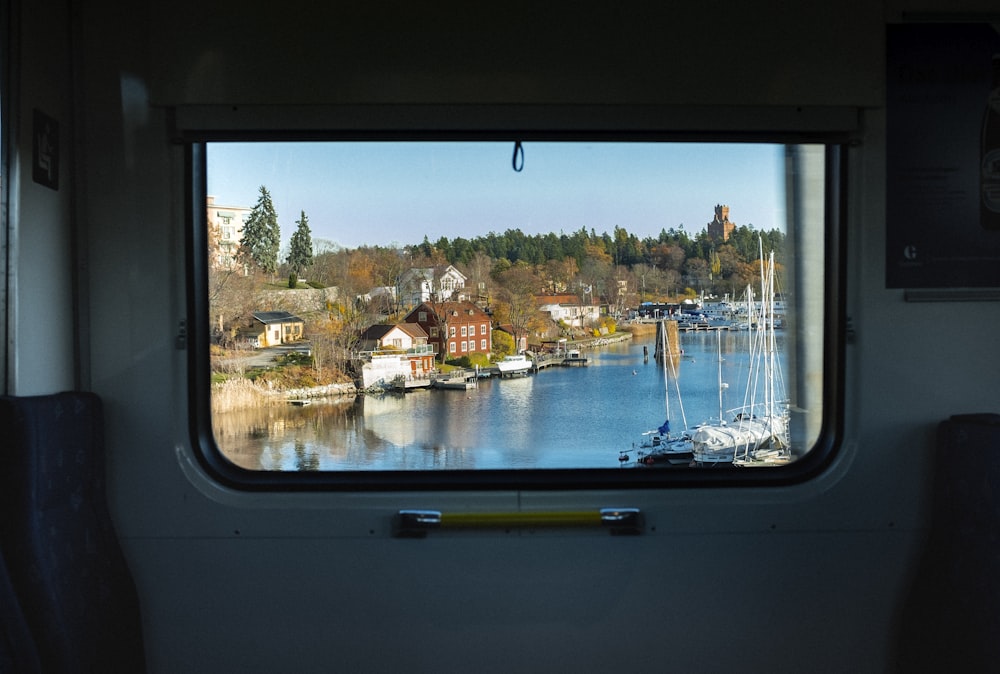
(836, 141)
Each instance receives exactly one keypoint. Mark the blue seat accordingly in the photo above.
(63, 558)
(951, 618)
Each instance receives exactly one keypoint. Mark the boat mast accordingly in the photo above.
(665, 354)
(718, 335)
(677, 385)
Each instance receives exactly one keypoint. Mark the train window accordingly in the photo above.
(645, 311)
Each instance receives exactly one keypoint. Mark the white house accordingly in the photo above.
(392, 351)
(401, 337)
(569, 309)
(422, 284)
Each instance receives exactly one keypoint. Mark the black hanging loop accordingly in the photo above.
(517, 161)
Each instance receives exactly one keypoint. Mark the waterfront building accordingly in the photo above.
(455, 328)
(568, 308)
(393, 351)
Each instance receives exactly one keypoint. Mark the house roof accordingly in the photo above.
(268, 317)
(431, 273)
(380, 330)
(413, 330)
(455, 310)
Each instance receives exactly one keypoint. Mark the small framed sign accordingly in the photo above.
(45, 152)
(943, 156)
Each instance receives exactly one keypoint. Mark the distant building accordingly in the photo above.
(456, 328)
(271, 328)
(393, 351)
(567, 308)
(424, 284)
(399, 337)
(225, 229)
(721, 227)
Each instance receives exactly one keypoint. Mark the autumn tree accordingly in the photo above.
(388, 265)
(518, 306)
(261, 236)
(478, 272)
(697, 273)
(558, 274)
(593, 272)
(300, 253)
(335, 334)
(325, 260)
(232, 297)
(503, 344)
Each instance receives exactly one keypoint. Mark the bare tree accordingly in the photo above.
(232, 297)
(518, 306)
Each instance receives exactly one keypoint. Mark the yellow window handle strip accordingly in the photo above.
(417, 523)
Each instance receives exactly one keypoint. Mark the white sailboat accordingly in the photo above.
(758, 431)
(660, 446)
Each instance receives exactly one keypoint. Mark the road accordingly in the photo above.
(265, 357)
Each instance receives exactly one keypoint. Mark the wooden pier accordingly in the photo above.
(542, 361)
(672, 340)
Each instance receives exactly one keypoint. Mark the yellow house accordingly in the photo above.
(271, 328)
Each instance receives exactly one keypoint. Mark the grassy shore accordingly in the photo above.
(639, 329)
(239, 393)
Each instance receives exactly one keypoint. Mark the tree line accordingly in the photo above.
(671, 263)
(505, 271)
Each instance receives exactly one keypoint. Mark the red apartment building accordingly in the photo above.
(457, 328)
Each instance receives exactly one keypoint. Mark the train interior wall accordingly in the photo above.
(804, 577)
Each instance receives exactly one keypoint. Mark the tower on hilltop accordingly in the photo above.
(720, 228)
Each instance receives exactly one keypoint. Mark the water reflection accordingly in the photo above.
(572, 417)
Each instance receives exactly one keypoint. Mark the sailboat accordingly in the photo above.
(758, 431)
(659, 446)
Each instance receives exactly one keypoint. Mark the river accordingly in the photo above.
(561, 417)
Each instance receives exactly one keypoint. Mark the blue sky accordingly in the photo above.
(358, 193)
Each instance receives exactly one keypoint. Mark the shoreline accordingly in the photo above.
(236, 394)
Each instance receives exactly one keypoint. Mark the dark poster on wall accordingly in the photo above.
(943, 156)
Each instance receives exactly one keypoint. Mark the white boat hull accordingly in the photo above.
(721, 443)
(514, 365)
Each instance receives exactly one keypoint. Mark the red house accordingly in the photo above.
(457, 328)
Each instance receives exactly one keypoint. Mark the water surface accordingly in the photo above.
(561, 417)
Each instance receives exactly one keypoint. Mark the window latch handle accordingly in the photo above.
(417, 523)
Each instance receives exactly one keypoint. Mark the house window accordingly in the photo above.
(751, 176)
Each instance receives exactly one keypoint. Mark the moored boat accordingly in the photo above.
(514, 365)
(761, 425)
(660, 447)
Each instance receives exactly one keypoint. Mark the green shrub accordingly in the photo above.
(295, 358)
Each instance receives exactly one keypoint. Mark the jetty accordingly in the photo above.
(545, 360)
(671, 338)
(462, 380)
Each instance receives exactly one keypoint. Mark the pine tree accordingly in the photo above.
(300, 251)
(261, 236)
